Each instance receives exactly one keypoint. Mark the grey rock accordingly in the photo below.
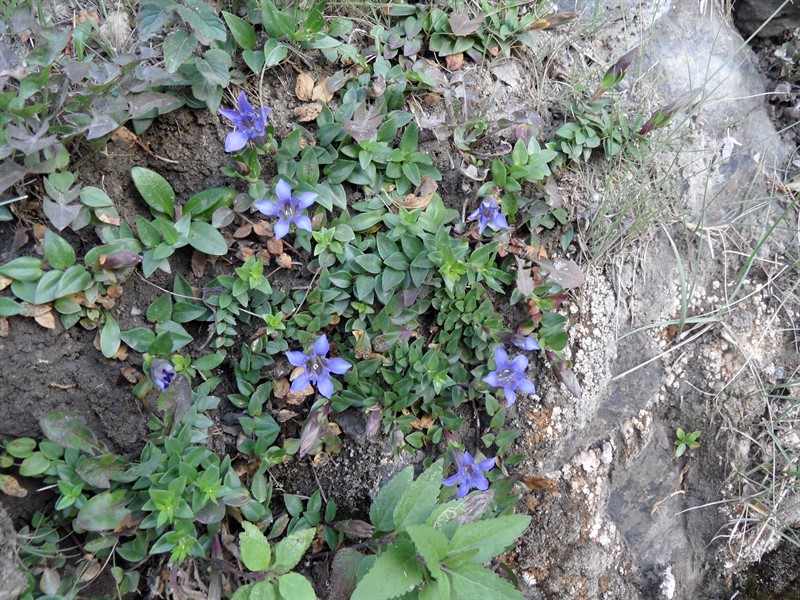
(12, 578)
(750, 15)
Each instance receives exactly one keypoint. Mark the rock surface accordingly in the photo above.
(750, 15)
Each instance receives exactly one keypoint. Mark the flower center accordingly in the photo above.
(506, 375)
(288, 211)
(315, 366)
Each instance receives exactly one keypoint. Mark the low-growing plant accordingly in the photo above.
(685, 441)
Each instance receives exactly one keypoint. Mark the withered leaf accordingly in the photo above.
(524, 280)
(421, 197)
(5, 282)
(46, 320)
(11, 487)
(365, 122)
(243, 231)
(284, 415)
(455, 61)
(304, 86)
(280, 388)
(284, 261)
(275, 246)
(565, 272)
(321, 92)
(262, 229)
(3, 327)
(461, 24)
(554, 20)
(307, 112)
(534, 482)
(199, 262)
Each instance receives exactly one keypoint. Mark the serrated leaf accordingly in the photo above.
(417, 502)
(68, 431)
(395, 572)
(104, 512)
(489, 537)
(382, 509)
(255, 549)
(473, 582)
(109, 336)
(155, 190)
(58, 251)
(431, 545)
(290, 550)
(203, 19)
(203, 237)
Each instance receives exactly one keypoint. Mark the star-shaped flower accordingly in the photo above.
(249, 124)
(288, 208)
(469, 474)
(163, 373)
(317, 367)
(510, 375)
(488, 213)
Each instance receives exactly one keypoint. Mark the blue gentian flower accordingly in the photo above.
(163, 373)
(488, 213)
(510, 375)
(287, 208)
(469, 474)
(520, 341)
(249, 124)
(317, 367)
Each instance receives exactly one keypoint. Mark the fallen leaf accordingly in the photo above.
(35, 310)
(281, 388)
(461, 24)
(245, 253)
(11, 487)
(275, 246)
(421, 198)
(284, 415)
(5, 282)
(47, 320)
(91, 570)
(554, 20)
(130, 374)
(3, 327)
(365, 122)
(534, 482)
(524, 280)
(262, 229)
(114, 291)
(565, 272)
(307, 112)
(107, 217)
(284, 261)
(199, 262)
(424, 422)
(304, 86)
(243, 231)
(321, 92)
(38, 231)
(455, 61)
(377, 88)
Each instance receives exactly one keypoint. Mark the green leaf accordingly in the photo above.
(396, 572)
(178, 47)
(24, 268)
(155, 190)
(109, 336)
(276, 22)
(254, 60)
(364, 221)
(209, 361)
(203, 204)
(420, 498)
(74, 280)
(68, 431)
(294, 586)
(21, 447)
(203, 19)
(383, 507)
(290, 550)
(431, 546)
(207, 239)
(58, 251)
(214, 67)
(98, 471)
(254, 547)
(9, 307)
(34, 465)
(489, 537)
(473, 582)
(242, 31)
(104, 512)
(274, 52)
(160, 309)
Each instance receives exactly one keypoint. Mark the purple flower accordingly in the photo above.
(287, 208)
(163, 373)
(469, 474)
(249, 124)
(510, 375)
(520, 341)
(488, 213)
(317, 368)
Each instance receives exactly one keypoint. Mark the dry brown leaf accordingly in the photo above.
(262, 229)
(304, 86)
(47, 320)
(35, 310)
(554, 20)
(307, 112)
(534, 482)
(123, 134)
(5, 282)
(11, 487)
(321, 92)
(107, 217)
(281, 388)
(106, 302)
(130, 374)
(275, 246)
(243, 231)
(38, 231)
(284, 415)
(3, 327)
(114, 291)
(199, 262)
(91, 570)
(284, 261)
(455, 61)
(121, 353)
(421, 197)
(424, 422)
(244, 253)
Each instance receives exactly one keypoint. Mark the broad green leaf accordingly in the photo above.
(254, 547)
(214, 67)
(364, 221)
(343, 573)
(420, 498)
(473, 582)
(242, 31)
(98, 471)
(209, 361)
(254, 59)
(109, 336)
(24, 268)
(382, 509)
(74, 280)
(21, 447)
(203, 204)
(58, 251)
(203, 19)
(207, 239)
(178, 47)
(34, 465)
(290, 550)
(104, 512)
(274, 52)
(395, 572)
(155, 190)
(47, 288)
(94, 197)
(69, 431)
(294, 586)
(276, 22)
(138, 338)
(160, 309)
(489, 537)
(431, 546)
(9, 307)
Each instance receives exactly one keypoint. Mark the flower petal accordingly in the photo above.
(267, 207)
(301, 383)
(468, 460)
(526, 386)
(499, 221)
(235, 141)
(511, 397)
(452, 480)
(325, 385)
(488, 464)
(479, 482)
(463, 490)
(306, 199)
(500, 357)
(283, 190)
(244, 106)
(302, 222)
(321, 346)
(529, 343)
(232, 115)
(519, 364)
(474, 215)
(298, 359)
(338, 366)
(281, 228)
(491, 379)
(263, 113)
